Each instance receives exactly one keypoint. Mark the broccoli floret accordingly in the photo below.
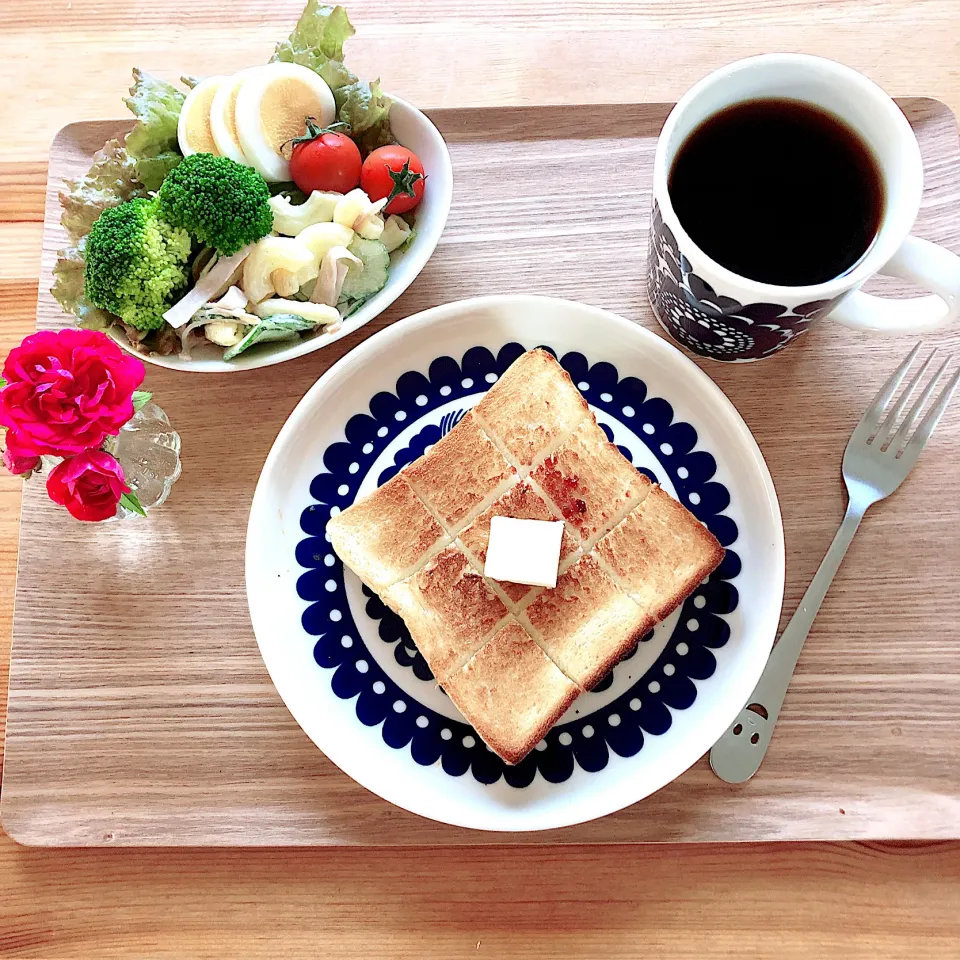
(135, 263)
(220, 202)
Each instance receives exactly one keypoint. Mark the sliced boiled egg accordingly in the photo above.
(223, 116)
(273, 104)
(193, 129)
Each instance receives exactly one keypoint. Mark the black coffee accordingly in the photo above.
(778, 191)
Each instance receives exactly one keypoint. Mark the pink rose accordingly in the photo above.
(89, 485)
(67, 391)
(15, 458)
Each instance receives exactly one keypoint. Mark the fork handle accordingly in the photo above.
(737, 755)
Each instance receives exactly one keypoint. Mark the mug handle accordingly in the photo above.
(925, 264)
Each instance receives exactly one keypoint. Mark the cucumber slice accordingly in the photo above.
(281, 327)
(349, 307)
(360, 284)
(318, 314)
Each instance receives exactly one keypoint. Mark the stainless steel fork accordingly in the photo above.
(874, 465)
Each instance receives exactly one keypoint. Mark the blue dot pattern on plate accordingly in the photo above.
(621, 725)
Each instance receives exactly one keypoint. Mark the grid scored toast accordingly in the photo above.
(513, 657)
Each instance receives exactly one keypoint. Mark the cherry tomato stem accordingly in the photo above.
(396, 174)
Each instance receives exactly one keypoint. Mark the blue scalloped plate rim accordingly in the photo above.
(617, 725)
(353, 670)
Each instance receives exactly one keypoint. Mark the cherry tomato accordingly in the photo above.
(325, 160)
(393, 172)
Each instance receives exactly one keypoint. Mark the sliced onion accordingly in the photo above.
(333, 271)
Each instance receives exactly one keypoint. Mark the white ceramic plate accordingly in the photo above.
(344, 664)
(413, 129)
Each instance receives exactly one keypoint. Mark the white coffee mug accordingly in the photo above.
(722, 315)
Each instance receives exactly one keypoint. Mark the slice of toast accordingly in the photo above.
(531, 449)
(386, 535)
(659, 553)
(511, 692)
(587, 624)
(448, 608)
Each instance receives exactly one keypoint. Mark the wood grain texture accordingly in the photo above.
(505, 52)
(806, 900)
(789, 902)
(146, 717)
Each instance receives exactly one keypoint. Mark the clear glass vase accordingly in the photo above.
(148, 449)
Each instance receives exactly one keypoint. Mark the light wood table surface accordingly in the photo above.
(64, 60)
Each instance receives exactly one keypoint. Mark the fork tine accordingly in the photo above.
(891, 418)
(908, 421)
(889, 388)
(930, 421)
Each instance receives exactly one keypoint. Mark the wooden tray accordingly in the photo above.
(140, 711)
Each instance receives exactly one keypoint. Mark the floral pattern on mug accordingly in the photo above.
(710, 324)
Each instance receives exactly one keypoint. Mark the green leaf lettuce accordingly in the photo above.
(317, 42)
(367, 109)
(111, 179)
(152, 143)
(68, 283)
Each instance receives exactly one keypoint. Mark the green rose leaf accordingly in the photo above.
(141, 398)
(130, 501)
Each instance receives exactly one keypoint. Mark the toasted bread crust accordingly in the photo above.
(587, 624)
(659, 553)
(383, 536)
(532, 406)
(511, 692)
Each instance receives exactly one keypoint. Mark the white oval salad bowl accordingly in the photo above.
(413, 129)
